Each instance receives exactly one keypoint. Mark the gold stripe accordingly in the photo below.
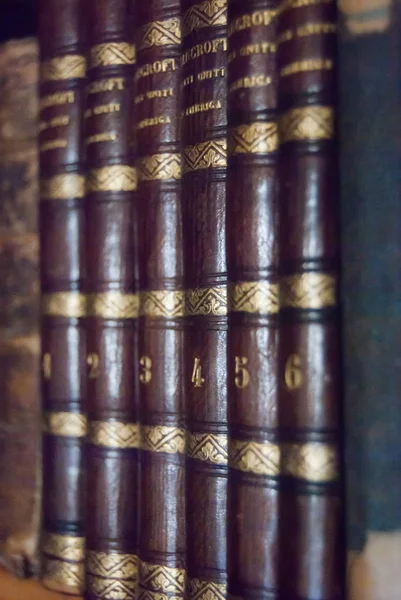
(254, 297)
(112, 53)
(314, 461)
(260, 458)
(160, 438)
(206, 155)
(67, 547)
(308, 123)
(160, 33)
(199, 589)
(168, 580)
(254, 138)
(116, 178)
(206, 301)
(308, 291)
(113, 434)
(209, 13)
(70, 66)
(113, 305)
(112, 575)
(57, 574)
(64, 424)
(162, 303)
(64, 304)
(159, 166)
(208, 447)
(62, 187)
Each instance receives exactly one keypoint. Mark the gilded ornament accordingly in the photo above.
(206, 155)
(57, 573)
(159, 166)
(206, 590)
(107, 589)
(209, 13)
(169, 580)
(67, 547)
(115, 178)
(253, 297)
(112, 565)
(253, 138)
(314, 461)
(64, 424)
(70, 66)
(161, 33)
(113, 305)
(113, 434)
(206, 301)
(112, 53)
(208, 447)
(308, 291)
(161, 438)
(260, 458)
(309, 123)
(64, 304)
(162, 303)
(62, 187)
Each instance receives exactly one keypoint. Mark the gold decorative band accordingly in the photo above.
(208, 13)
(166, 580)
(254, 138)
(116, 178)
(64, 424)
(310, 123)
(260, 458)
(70, 66)
(160, 33)
(159, 166)
(208, 447)
(161, 438)
(308, 291)
(66, 547)
(206, 301)
(206, 155)
(112, 53)
(259, 297)
(113, 305)
(313, 461)
(64, 304)
(198, 589)
(162, 303)
(62, 187)
(58, 575)
(112, 575)
(113, 434)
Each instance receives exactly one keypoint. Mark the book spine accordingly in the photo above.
(111, 566)
(252, 260)
(311, 564)
(157, 129)
(204, 131)
(62, 79)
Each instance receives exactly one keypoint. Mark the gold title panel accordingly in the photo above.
(308, 291)
(208, 447)
(64, 304)
(113, 305)
(112, 53)
(113, 434)
(162, 303)
(206, 301)
(66, 547)
(70, 66)
(315, 462)
(310, 123)
(206, 155)
(254, 138)
(159, 166)
(116, 178)
(62, 187)
(260, 458)
(253, 297)
(161, 33)
(209, 13)
(65, 424)
(160, 438)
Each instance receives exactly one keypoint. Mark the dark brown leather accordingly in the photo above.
(113, 436)
(252, 258)
(157, 135)
(204, 191)
(311, 559)
(62, 53)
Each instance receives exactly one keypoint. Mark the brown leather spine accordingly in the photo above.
(19, 308)
(204, 130)
(252, 259)
(311, 561)
(112, 305)
(157, 131)
(62, 79)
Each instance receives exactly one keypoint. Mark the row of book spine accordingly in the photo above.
(190, 327)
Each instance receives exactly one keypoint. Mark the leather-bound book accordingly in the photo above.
(252, 262)
(157, 132)
(204, 131)
(19, 308)
(113, 432)
(311, 559)
(62, 81)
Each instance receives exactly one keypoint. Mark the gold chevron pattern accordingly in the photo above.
(209, 13)
(113, 434)
(64, 424)
(161, 33)
(206, 301)
(309, 123)
(260, 458)
(168, 580)
(112, 53)
(62, 187)
(206, 155)
(208, 447)
(161, 438)
(64, 304)
(308, 291)
(115, 178)
(206, 590)
(108, 589)
(254, 138)
(113, 565)
(253, 297)
(159, 166)
(113, 305)
(66, 547)
(60, 573)
(313, 461)
(162, 303)
(70, 66)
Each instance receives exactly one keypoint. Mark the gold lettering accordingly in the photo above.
(307, 30)
(288, 4)
(188, 80)
(197, 378)
(53, 145)
(241, 372)
(167, 65)
(259, 18)
(57, 98)
(60, 121)
(211, 74)
(231, 56)
(47, 365)
(306, 65)
(293, 374)
(146, 372)
(250, 82)
(165, 93)
(203, 107)
(106, 85)
(139, 98)
(106, 108)
(263, 48)
(161, 120)
(101, 137)
(285, 36)
(93, 362)
(209, 47)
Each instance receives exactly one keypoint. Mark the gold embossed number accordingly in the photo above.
(93, 362)
(47, 365)
(241, 372)
(293, 374)
(197, 378)
(146, 371)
